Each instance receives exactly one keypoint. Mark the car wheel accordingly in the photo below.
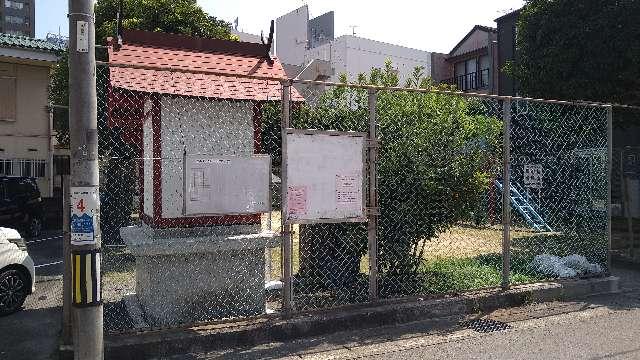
(34, 226)
(13, 291)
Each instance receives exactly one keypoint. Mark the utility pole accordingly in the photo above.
(84, 200)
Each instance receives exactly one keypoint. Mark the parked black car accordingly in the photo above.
(21, 204)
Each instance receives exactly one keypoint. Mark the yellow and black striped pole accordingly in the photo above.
(86, 278)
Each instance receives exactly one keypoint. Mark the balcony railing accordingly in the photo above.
(477, 80)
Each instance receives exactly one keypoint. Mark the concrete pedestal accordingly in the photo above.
(190, 275)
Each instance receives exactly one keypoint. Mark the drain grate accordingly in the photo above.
(486, 325)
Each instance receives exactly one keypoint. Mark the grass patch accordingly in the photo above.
(444, 275)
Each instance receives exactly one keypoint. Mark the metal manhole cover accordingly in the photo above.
(486, 325)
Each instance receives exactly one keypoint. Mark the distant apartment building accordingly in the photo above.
(18, 17)
(304, 44)
(507, 85)
(472, 65)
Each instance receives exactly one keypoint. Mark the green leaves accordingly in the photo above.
(579, 50)
(435, 160)
(172, 16)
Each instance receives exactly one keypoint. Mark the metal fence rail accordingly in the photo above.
(442, 171)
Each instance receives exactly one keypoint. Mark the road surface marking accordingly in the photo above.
(45, 239)
(49, 264)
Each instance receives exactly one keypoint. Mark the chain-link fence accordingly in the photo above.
(330, 261)
(559, 190)
(439, 195)
(440, 227)
(440, 183)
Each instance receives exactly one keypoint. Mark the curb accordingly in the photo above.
(384, 313)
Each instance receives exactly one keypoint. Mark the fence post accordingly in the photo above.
(506, 195)
(286, 229)
(67, 324)
(626, 208)
(85, 234)
(609, 176)
(372, 211)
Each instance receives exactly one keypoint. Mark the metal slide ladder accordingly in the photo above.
(523, 205)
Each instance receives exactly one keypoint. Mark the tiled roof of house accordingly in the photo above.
(25, 42)
(188, 66)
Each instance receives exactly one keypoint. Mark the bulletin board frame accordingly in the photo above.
(286, 173)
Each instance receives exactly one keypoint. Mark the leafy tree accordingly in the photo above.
(433, 164)
(579, 50)
(171, 16)
(59, 95)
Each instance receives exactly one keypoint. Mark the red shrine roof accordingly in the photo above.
(190, 66)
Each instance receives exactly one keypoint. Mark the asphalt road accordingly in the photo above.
(603, 327)
(46, 252)
(33, 332)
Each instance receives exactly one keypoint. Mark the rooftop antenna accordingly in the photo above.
(235, 23)
(119, 24)
(267, 44)
(353, 29)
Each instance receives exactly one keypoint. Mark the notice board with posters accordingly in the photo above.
(227, 185)
(325, 173)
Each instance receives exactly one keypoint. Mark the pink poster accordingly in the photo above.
(296, 201)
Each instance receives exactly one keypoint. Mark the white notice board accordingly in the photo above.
(226, 185)
(324, 176)
(533, 176)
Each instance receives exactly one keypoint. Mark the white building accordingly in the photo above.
(299, 41)
(353, 55)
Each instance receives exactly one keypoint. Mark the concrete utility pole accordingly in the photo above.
(84, 201)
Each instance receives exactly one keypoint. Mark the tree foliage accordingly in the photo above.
(434, 162)
(171, 16)
(580, 50)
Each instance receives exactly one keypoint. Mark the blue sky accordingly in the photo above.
(432, 25)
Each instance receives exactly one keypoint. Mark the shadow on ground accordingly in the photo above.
(629, 299)
(33, 332)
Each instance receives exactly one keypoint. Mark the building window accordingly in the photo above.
(472, 74)
(23, 167)
(6, 167)
(39, 168)
(14, 4)
(8, 98)
(16, 32)
(26, 168)
(14, 19)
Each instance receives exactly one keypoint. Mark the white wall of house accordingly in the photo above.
(354, 55)
(147, 148)
(199, 126)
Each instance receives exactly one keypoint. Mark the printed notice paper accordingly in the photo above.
(348, 191)
(297, 201)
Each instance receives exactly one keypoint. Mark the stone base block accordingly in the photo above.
(201, 276)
